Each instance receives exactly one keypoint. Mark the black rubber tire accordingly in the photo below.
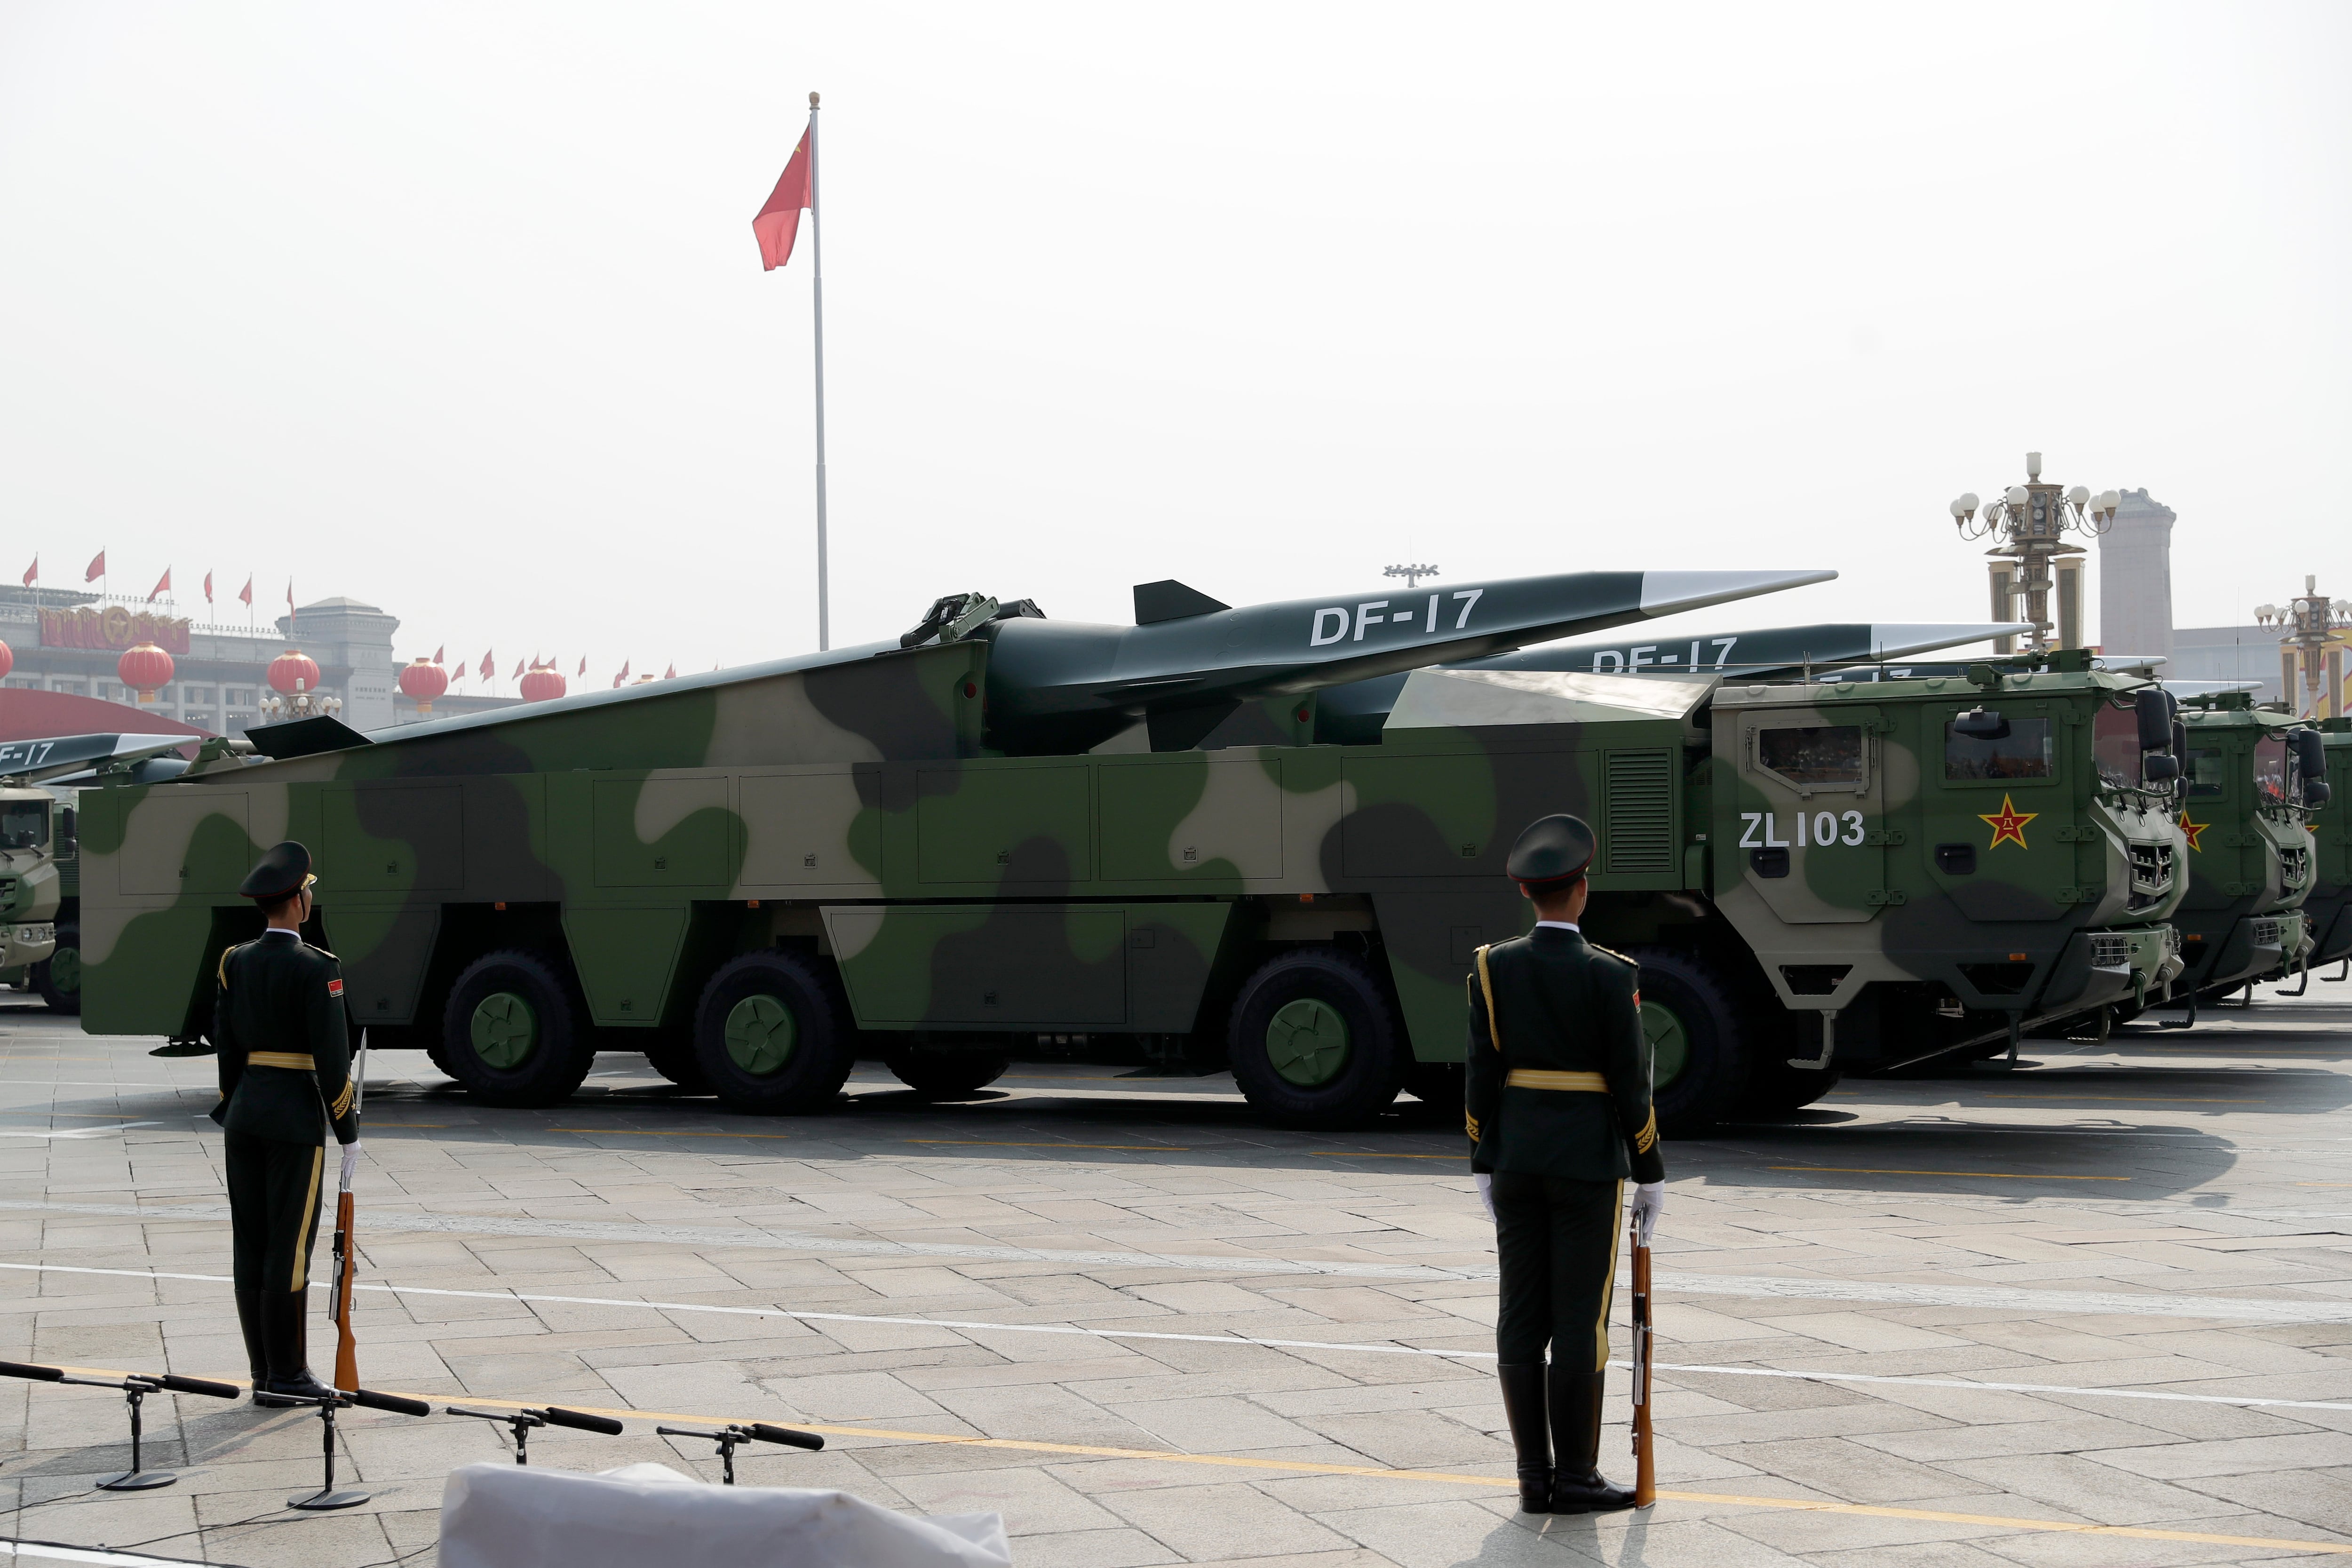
(65, 999)
(1436, 1083)
(561, 1046)
(946, 1075)
(1775, 1088)
(672, 1056)
(1718, 1059)
(1373, 1054)
(805, 1079)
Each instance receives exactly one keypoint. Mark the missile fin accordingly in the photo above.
(1169, 600)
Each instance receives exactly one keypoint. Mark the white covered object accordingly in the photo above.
(517, 1516)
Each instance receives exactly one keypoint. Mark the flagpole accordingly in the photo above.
(816, 295)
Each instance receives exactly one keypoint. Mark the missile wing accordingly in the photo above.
(1189, 661)
(1353, 714)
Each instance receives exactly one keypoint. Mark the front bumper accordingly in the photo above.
(26, 944)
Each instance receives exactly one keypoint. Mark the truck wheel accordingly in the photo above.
(672, 1056)
(515, 1031)
(1316, 1042)
(946, 1075)
(1700, 1062)
(1436, 1083)
(59, 977)
(1775, 1088)
(773, 1037)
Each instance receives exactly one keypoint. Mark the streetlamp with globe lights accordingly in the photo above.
(2033, 559)
(2317, 629)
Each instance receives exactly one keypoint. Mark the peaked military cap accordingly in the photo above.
(281, 873)
(1552, 849)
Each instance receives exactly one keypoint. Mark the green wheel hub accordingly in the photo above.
(761, 1035)
(505, 1030)
(1669, 1043)
(1307, 1042)
(64, 969)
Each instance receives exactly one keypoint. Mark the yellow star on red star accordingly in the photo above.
(2008, 824)
(2193, 829)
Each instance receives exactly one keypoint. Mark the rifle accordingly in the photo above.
(339, 1299)
(1645, 1467)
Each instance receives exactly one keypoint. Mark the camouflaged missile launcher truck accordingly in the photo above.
(2250, 784)
(1001, 833)
(39, 896)
(2327, 907)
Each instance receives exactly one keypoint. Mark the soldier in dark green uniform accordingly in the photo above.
(285, 1077)
(1557, 1111)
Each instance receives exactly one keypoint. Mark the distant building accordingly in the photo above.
(2135, 579)
(69, 642)
(2227, 653)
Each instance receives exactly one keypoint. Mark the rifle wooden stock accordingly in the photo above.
(1645, 1467)
(346, 1345)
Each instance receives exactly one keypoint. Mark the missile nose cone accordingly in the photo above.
(1900, 639)
(1668, 593)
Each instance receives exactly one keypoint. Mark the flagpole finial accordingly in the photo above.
(812, 101)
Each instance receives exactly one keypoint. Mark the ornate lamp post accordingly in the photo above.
(2034, 560)
(2317, 629)
(294, 685)
(1411, 573)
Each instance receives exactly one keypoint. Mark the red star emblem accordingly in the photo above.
(2193, 829)
(2008, 824)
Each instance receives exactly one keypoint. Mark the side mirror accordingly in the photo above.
(2314, 794)
(2310, 753)
(2159, 767)
(1980, 724)
(2180, 741)
(68, 840)
(2155, 720)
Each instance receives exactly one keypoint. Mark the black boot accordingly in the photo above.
(1576, 1484)
(285, 1338)
(256, 1358)
(1523, 1407)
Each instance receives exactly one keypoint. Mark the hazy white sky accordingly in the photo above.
(457, 309)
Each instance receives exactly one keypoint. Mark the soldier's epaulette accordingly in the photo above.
(1612, 952)
(321, 952)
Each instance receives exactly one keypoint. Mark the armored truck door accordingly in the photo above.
(1999, 825)
(1811, 812)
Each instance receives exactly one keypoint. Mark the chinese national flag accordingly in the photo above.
(208, 587)
(670, 674)
(461, 672)
(584, 668)
(96, 568)
(779, 222)
(245, 592)
(163, 586)
(439, 651)
(32, 573)
(489, 669)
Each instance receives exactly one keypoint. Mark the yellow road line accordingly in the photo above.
(1991, 1176)
(2134, 1098)
(1368, 1155)
(661, 1133)
(1006, 1143)
(1309, 1466)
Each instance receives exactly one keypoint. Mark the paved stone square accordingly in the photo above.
(1930, 1323)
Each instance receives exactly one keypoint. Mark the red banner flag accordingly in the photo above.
(461, 672)
(670, 674)
(32, 573)
(289, 595)
(439, 651)
(208, 587)
(245, 592)
(779, 223)
(96, 568)
(163, 586)
(583, 668)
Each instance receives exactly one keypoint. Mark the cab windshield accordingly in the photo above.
(2270, 771)
(2207, 769)
(23, 824)
(2024, 750)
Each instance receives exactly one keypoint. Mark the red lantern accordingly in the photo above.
(293, 671)
(545, 683)
(421, 683)
(146, 669)
(7, 661)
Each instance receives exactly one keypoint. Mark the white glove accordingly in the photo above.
(351, 1163)
(1649, 1203)
(1485, 1191)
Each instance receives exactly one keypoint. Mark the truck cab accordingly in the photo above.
(2244, 814)
(38, 901)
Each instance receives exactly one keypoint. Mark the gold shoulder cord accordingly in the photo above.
(1486, 988)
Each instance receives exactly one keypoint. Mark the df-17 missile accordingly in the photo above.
(35, 762)
(1190, 660)
(1354, 712)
